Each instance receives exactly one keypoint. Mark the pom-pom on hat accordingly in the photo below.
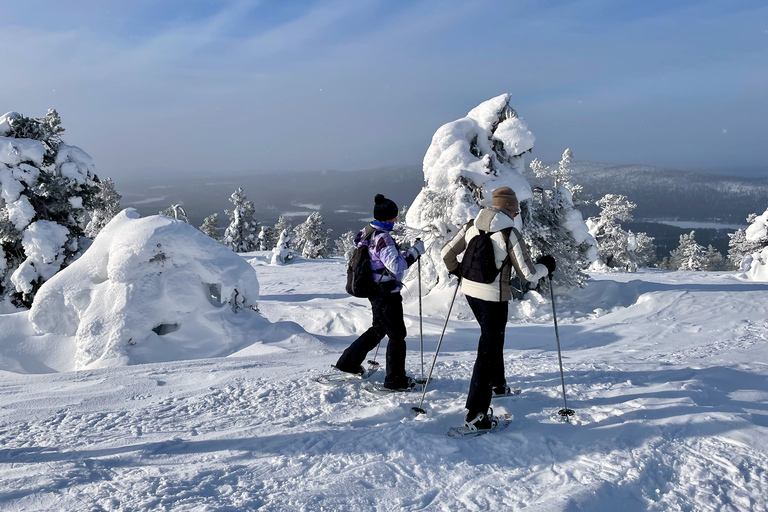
(384, 209)
(504, 199)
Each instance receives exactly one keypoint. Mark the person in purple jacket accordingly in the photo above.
(388, 265)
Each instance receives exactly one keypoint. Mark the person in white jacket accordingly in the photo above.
(490, 301)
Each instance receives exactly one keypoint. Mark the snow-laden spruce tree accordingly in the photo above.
(311, 238)
(689, 255)
(467, 159)
(619, 248)
(211, 226)
(746, 244)
(106, 204)
(46, 190)
(345, 245)
(281, 225)
(282, 253)
(242, 233)
(176, 211)
(553, 225)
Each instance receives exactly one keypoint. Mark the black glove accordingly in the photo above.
(549, 262)
(456, 272)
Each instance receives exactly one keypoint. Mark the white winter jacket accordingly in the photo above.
(507, 241)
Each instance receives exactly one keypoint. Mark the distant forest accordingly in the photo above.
(345, 199)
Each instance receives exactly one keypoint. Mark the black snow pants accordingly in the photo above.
(489, 365)
(387, 309)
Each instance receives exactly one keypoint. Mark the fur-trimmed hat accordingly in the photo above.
(384, 209)
(504, 199)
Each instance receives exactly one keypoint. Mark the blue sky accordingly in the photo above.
(232, 86)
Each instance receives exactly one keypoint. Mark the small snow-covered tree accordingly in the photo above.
(266, 239)
(619, 248)
(47, 189)
(176, 211)
(281, 225)
(106, 204)
(553, 225)
(345, 245)
(211, 226)
(282, 253)
(241, 234)
(311, 238)
(713, 259)
(745, 243)
(689, 255)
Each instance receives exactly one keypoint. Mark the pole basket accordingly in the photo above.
(566, 413)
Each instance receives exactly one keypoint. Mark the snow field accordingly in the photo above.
(666, 372)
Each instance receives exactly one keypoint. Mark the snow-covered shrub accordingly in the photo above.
(553, 225)
(282, 252)
(211, 226)
(148, 289)
(467, 159)
(745, 243)
(176, 211)
(311, 238)
(619, 248)
(41, 180)
(241, 234)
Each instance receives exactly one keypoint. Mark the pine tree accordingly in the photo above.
(106, 204)
(345, 245)
(211, 226)
(713, 260)
(241, 234)
(619, 248)
(689, 255)
(281, 225)
(282, 254)
(311, 238)
(48, 189)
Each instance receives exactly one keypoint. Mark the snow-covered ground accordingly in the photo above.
(666, 372)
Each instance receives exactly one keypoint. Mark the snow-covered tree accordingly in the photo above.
(46, 190)
(241, 234)
(553, 225)
(211, 226)
(311, 238)
(745, 243)
(282, 253)
(467, 159)
(714, 260)
(106, 204)
(345, 245)
(619, 248)
(176, 211)
(281, 225)
(689, 255)
(266, 239)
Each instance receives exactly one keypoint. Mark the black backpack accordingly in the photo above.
(359, 274)
(479, 262)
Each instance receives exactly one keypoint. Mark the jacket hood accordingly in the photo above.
(492, 219)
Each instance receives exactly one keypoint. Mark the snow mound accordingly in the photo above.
(150, 289)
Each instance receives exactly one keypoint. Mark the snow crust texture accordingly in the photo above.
(665, 370)
(148, 289)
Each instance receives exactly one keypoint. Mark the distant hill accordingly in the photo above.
(345, 199)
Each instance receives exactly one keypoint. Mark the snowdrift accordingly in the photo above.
(150, 289)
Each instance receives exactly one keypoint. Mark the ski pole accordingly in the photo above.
(565, 411)
(418, 409)
(373, 363)
(421, 325)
